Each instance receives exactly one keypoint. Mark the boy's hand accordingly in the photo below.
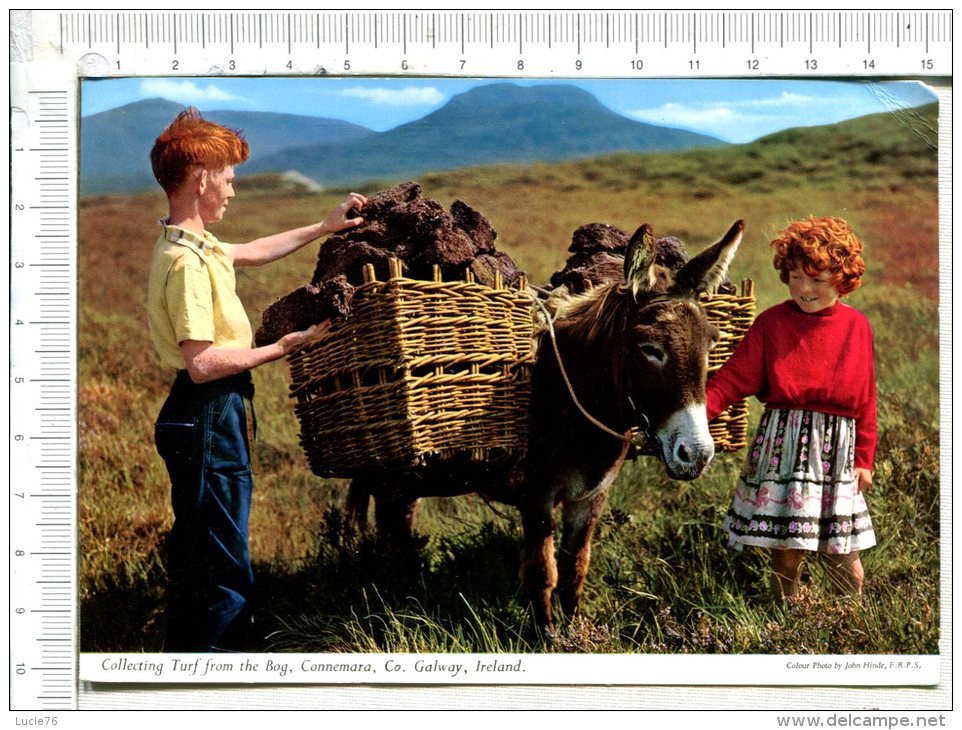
(294, 340)
(340, 220)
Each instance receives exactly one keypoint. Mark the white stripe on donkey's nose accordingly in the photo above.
(686, 442)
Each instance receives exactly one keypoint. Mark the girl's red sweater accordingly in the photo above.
(821, 362)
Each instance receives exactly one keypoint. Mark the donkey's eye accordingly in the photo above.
(654, 353)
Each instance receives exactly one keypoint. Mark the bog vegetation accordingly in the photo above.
(662, 579)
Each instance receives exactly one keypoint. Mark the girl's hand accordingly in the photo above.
(863, 480)
(338, 220)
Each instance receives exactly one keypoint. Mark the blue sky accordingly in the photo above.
(735, 110)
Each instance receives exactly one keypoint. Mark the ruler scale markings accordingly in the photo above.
(52, 547)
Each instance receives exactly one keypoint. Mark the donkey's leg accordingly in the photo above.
(580, 519)
(539, 573)
(394, 515)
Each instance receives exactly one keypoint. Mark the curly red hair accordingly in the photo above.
(821, 244)
(192, 140)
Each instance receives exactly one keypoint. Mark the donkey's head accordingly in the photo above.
(667, 339)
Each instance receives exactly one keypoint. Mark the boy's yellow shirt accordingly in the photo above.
(191, 295)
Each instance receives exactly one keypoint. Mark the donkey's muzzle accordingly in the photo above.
(686, 443)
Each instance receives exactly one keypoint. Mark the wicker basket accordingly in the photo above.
(733, 314)
(419, 370)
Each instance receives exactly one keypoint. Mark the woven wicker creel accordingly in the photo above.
(432, 370)
(733, 314)
(420, 369)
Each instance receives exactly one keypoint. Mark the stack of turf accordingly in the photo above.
(598, 256)
(399, 223)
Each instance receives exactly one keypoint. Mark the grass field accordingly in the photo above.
(661, 578)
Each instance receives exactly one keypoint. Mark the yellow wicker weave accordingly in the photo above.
(733, 314)
(420, 369)
(432, 370)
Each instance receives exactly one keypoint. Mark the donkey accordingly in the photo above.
(625, 357)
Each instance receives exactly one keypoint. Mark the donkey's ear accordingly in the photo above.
(709, 268)
(640, 261)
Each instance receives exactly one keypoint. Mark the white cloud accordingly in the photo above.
(685, 116)
(186, 92)
(786, 100)
(744, 119)
(408, 96)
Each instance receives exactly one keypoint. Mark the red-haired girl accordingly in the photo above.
(810, 361)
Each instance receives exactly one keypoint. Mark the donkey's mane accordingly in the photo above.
(600, 313)
(597, 313)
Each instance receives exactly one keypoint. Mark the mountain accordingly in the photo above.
(490, 124)
(115, 145)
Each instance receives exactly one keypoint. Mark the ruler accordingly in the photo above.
(52, 51)
(42, 529)
(523, 43)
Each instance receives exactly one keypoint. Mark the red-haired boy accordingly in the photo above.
(200, 329)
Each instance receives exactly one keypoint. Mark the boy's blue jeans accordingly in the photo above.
(202, 435)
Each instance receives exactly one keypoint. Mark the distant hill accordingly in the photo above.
(879, 134)
(496, 123)
(115, 145)
(490, 124)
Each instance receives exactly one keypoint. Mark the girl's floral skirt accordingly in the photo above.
(798, 487)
